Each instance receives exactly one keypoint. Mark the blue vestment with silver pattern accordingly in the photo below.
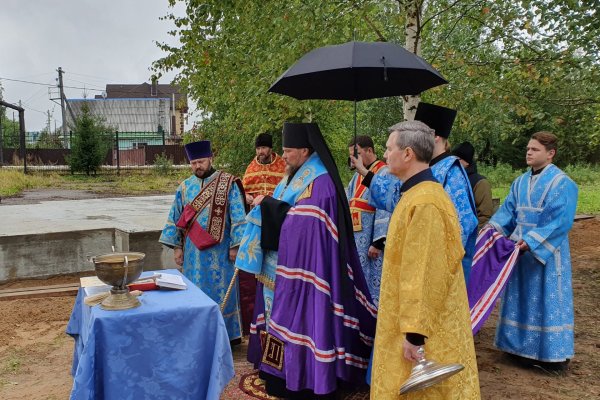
(536, 317)
(210, 269)
(385, 194)
(374, 227)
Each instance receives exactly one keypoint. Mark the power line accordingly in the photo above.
(31, 108)
(19, 80)
(49, 85)
(85, 83)
(90, 76)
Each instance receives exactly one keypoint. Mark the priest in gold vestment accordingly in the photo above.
(423, 300)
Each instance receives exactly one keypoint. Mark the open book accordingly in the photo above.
(170, 281)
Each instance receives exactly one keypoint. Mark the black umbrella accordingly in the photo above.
(357, 71)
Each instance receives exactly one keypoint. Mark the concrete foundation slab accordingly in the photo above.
(59, 237)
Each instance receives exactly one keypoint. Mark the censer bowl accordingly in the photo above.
(119, 270)
(427, 373)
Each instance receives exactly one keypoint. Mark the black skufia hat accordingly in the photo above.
(438, 118)
(264, 139)
(464, 151)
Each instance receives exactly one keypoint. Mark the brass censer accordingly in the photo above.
(119, 270)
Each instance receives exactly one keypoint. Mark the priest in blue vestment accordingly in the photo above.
(314, 319)
(447, 170)
(204, 228)
(370, 224)
(536, 317)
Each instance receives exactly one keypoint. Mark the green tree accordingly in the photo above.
(90, 142)
(9, 128)
(48, 140)
(513, 67)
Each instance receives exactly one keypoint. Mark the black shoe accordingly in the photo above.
(520, 361)
(560, 366)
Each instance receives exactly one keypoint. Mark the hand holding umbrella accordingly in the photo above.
(357, 162)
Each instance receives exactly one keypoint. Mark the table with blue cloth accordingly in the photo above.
(174, 346)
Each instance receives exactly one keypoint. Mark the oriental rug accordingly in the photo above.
(247, 385)
(254, 387)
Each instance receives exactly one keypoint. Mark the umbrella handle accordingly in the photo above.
(385, 76)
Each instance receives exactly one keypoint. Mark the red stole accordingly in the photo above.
(358, 205)
(214, 194)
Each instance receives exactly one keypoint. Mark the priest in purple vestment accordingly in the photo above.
(314, 319)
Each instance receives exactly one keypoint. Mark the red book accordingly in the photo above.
(143, 285)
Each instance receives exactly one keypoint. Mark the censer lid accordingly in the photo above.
(428, 373)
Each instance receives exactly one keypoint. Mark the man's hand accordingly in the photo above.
(358, 164)
(523, 246)
(233, 253)
(257, 200)
(373, 252)
(411, 352)
(178, 253)
(249, 198)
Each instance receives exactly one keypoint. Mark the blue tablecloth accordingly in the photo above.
(174, 346)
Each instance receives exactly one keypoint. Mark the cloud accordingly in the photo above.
(96, 42)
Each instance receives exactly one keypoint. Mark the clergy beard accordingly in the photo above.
(264, 159)
(290, 171)
(204, 173)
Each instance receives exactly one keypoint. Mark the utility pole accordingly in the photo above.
(62, 106)
(49, 126)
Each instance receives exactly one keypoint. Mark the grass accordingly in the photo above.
(154, 182)
(586, 176)
(13, 182)
(12, 363)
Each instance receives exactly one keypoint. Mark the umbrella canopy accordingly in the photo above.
(357, 71)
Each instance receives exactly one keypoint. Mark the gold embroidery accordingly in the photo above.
(356, 220)
(273, 352)
(307, 193)
(265, 280)
(299, 181)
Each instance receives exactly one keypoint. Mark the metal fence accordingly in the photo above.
(127, 150)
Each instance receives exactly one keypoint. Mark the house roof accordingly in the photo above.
(146, 90)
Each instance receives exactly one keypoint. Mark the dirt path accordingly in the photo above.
(36, 354)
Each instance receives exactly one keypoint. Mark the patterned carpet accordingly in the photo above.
(246, 384)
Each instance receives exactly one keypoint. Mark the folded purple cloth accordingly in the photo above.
(494, 260)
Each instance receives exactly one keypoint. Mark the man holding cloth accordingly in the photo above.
(423, 301)
(314, 319)
(536, 318)
(204, 229)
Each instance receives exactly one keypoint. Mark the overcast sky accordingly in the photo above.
(96, 42)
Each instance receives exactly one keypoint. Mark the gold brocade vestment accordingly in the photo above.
(423, 291)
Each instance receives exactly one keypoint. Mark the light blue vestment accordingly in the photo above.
(385, 194)
(374, 227)
(210, 269)
(251, 257)
(536, 318)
